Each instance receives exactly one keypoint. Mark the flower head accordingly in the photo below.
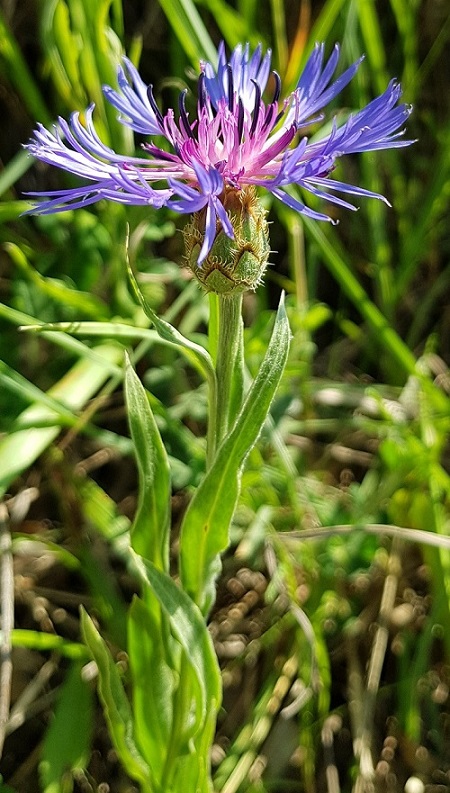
(237, 141)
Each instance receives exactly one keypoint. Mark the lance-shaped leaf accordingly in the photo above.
(188, 627)
(204, 531)
(197, 356)
(116, 707)
(153, 681)
(150, 530)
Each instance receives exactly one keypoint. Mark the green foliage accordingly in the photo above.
(190, 631)
(356, 438)
(44, 642)
(189, 29)
(206, 523)
(38, 425)
(82, 45)
(150, 530)
(68, 740)
(152, 693)
(116, 706)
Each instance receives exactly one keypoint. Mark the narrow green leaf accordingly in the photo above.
(406, 17)
(55, 30)
(19, 385)
(110, 330)
(89, 67)
(152, 693)
(385, 335)
(63, 556)
(373, 42)
(204, 531)
(66, 46)
(21, 449)
(17, 166)
(150, 530)
(232, 25)
(416, 243)
(54, 289)
(47, 642)
(279, 34)
(195, 353)
(117, 14)
(123, 333)
(188, 627)
(324, 24)
(20, 75)
(67, 742)
(188, 26)
(61, 339)
(116, 706)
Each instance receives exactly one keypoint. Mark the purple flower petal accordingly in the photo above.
(132, 101)
(238, 139)
(210, 234)
(294, 203)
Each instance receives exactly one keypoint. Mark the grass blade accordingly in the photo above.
(188, 27)
(20, 75)
(22, 448)
(384, 334)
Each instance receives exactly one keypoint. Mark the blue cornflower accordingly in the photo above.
(238, 141)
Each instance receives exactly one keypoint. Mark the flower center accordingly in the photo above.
(231, 132)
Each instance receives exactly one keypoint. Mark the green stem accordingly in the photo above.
(229, 366)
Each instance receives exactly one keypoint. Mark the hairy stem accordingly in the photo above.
(226, 341)
(229, 365)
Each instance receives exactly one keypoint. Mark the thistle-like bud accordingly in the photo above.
(232, 265)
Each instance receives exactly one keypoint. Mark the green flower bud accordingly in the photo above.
(232, 265)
